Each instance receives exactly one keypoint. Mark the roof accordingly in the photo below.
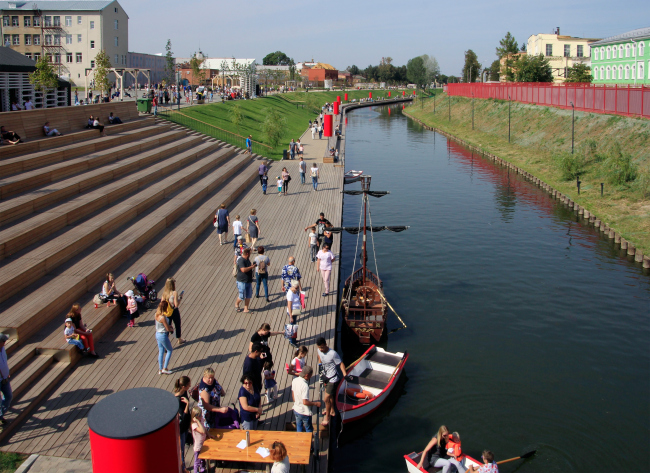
(56, 5)
(640, 33)
(322, 65)
(12, 61)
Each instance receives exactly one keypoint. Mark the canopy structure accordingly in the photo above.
(119, 77)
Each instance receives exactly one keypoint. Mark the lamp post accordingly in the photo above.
(509, 102)
(178, 86)
(573, 117)
(449, 102)
(472, 110)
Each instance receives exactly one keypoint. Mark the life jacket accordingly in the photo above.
(453, 448)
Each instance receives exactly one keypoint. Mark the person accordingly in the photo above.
(236, 230)
(302, 168)
(199, 433)
(489, 466)
(210, 394)
(298, 362)
(261, 337)
(222, 221)
(29, 105)
(110, 293)
(436, 451)
(131, 308)
(290, 272)
(113, 120)
(270, 385)
(320, 129)
(300, 148)
(312, 241)
(50, 131)
(181, 386)
(262, 170)
(328, 237)
(76, 97)
(319, 227)
(292, 149)
(244, 278)
(279, 182)
(10, 136)
(72, 338)
(98, 126)
(5, 384)
(313, 131)
(265, 182)
(293, 301)
(301, 402)
(250, 402)
(315, 175)
(262, 263)
(286, 177)
(170, 295)
(455, 453)
(280, 458)
(253, 365)
(154, 103)
(249, 144)
(89, 123)
(331, 362)
(336, 156)
(326, 257)
(162, 337)
(253, 227)
(81, 329)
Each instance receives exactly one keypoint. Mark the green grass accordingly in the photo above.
(9, 462)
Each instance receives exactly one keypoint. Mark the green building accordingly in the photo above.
(622, 59)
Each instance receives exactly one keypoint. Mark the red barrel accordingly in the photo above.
(369, 94)
(336, 108)
(389, 93)
(403, 93)
(327, 131)
(135, 430)
(346, 96)
(338, 98)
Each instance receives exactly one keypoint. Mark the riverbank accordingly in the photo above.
(541, 144)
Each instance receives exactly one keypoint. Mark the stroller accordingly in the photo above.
(145, 288)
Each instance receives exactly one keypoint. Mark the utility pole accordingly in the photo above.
(573, 118)
(509, 102)
(472, 110)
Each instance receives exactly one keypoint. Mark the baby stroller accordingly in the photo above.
(145, 288)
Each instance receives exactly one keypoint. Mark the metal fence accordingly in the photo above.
(628, 100)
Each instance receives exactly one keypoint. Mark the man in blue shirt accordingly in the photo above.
(249, 144)
(289, 273)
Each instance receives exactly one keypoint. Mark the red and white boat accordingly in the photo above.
(352, 176)
(373, 377)
(412, 460)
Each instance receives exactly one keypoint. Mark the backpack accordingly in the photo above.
(261, 267)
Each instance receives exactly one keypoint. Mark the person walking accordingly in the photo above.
(244, 280)
(253, 228)
(163, 330)
(326, 257)
(5, 385)
(313, 131)
(299, 148)
(293, 302)
(265, 182)
(301, 403)
(320, 131)
(262, 263)
(292, 149)
(222, 222)
(332, 365)
(290, 273)
(315, 174)
(262, 170)
(249, 145)
(170, 295)
(286, 177)
(302, 168)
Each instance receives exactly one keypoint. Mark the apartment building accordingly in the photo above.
(69, 33)
(622, 59)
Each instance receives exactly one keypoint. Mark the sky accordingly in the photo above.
(361, 32)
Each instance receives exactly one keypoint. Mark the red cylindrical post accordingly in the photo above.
(346, 96)
(414, 92)
(403, 93)
(370, 95)
(338, 98)
(336, 108)
(135, 430)
(327, 128)
(389, 93)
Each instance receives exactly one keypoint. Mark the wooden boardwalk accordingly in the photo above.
(217, 336)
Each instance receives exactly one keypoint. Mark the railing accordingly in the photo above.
(627, 100)
(370, 276)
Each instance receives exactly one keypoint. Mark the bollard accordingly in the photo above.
(586, 214)
(597, 223)
(592, 218)
(617, 237)
(612, 234)
(581, 210)
(631, 249)
(638, 257)
(646, 262)
(623, 244)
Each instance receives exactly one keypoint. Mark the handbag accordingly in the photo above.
(288, 177)
(248, 238)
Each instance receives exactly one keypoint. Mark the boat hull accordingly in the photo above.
(412, 460)
(364, 307)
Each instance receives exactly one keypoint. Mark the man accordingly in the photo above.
(263, 169)
(290, 273)
(301, 402)
(10, 136)
(222, 222)
(253, 365)
(319, 227)
(331, 362)
(249, 144)
(293, 303)
(302, 167)
(5, 386)
(292, 149)
(29, 105)
(244, 279)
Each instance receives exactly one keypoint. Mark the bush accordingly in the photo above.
(620, 167)
(571, 165)
(273, 126)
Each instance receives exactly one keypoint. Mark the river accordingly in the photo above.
(526, 329)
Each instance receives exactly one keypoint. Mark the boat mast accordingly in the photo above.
(365, 186)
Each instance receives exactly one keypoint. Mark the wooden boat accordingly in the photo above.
(412, 460)
(374, 376)
(352, 176)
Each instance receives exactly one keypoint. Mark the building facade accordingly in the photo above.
(562, 51)
(622, 59)
(156, 63)
(69, 33)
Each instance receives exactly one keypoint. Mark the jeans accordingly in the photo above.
(77, 343)
(163, 344)
(303, 423)
(262, 278)
(234, 243)
(249, 424)
(285, 187)
(302, 177)
(7, 396)
(314, 182)
(313, 251)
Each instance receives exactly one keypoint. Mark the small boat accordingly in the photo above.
(412, 460)
(352, 176)
(373, 377)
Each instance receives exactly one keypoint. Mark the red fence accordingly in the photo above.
(626, 100)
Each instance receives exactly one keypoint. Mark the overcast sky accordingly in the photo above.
(360, 32)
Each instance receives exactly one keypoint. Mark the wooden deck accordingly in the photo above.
(217, 336)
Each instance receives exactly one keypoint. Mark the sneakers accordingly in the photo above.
(130, 324)
(166, 372)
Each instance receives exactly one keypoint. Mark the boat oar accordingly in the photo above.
(525, 455)
(394, 312)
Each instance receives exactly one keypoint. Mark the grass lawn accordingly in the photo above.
(9, 462)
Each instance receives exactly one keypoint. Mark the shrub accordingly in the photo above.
(571, 165)
(620, 167)
(273, 126)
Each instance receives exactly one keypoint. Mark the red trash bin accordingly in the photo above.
(346, 96)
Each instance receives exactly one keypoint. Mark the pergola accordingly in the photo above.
(119, 75)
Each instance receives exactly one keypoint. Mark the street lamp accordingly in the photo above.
(573, 117)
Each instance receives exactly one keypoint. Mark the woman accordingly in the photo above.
(436, 451)
(262, 263)
(250, 402)
(98, 126)
(162, 337)
(293, 301)
(489, 466)
(280, 458)
(81, 329)
(109, 292)
(326, 257)
(181, 387)
(210, 393)
(222, 222)
(286, 177)
(170, 295)
(315, 174)
(300, 148)
(50, 131)
(253, 227)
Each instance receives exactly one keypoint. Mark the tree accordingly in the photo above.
(508, 45)
(196, 65)
(432, 68)
(44, 77)
(386, 70)
(472, 67)
(579, 73)
(102, 66)
(354, 70)
(416, 72)
(533, 69)
(236, 115)
(273, 126)
(523, 47)
(495, 69)
(169, 62)
(277, 58)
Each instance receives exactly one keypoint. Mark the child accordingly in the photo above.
(453, 449)
(298, 362)
(265, 183)
(313, 245)
(236, 229)
(73, 338)
(269, 382)
(132, 308)
(279, 185)
(199, 434)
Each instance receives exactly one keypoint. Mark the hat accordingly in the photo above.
(68, 319)
(128, 293)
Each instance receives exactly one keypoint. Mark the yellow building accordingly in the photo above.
(562, 51)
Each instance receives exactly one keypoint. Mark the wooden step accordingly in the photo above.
(39, 199)
(28, 268)
(21, 379)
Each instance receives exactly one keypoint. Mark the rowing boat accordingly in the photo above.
(352, 176)
(412, 460)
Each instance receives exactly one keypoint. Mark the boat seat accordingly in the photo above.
(372, 379)
(384, 358)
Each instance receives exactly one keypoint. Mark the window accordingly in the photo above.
(549, 49)
(37, 39)
(37, 56)
(28, 40)
(68, 21)
(641, 49)
(47, 21)
(608, 51)
(57, 40)
(613, 52)
(567, 50)
(620, 72)
(595, 53)
(633, 50)
(57, 21)
(92, 25)
(48, 56)
(5, 21)
(68, 39)
(117, 25)
(92, 45)
(640, 71)
(28, 55)
(37, 21)
(116, 41)
(68, 57)
(57, 58)
(78, 57)
(620, 51)
(27, 20)
(633, 71)
(78, 20)
(78, 38)
(117, 59)
(602, 54)
(48, 40)
(580, 50)
(15, 39)
(602, 73)
(627, 72)
(627, 50)
(595, 73)
(92, 64)
(14, 21)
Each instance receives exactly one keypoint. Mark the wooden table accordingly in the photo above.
(224, 446)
